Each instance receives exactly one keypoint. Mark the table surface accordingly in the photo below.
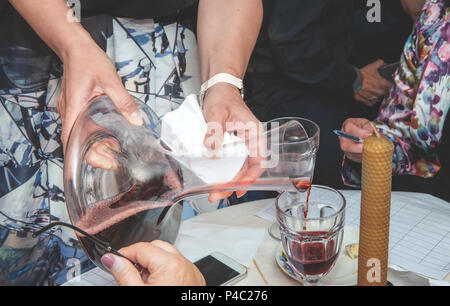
(241, 216)
(244, 216)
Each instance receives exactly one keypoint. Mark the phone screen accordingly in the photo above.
(215, 272)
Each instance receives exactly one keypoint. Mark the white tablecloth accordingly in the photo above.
(244, 216)
(241, 217)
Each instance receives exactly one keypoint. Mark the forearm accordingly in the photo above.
(227, 33)
(48, 18)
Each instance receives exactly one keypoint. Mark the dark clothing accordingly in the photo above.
(134, 8)
(300, 68)
(308, 42)
(130, 8)
(379, 40)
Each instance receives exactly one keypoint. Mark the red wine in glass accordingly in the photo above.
(313, 253)
(312, 244)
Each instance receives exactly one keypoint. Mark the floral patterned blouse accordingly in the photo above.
(413, 115)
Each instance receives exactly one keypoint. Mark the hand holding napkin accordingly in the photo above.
(183, 131)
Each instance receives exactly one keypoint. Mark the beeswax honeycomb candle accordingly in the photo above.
(375, 210)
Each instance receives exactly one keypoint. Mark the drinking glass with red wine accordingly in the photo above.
(312, 229)
(297, 156)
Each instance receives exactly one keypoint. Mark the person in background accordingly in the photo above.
(52, 66)
(414, 116)
(379, 31)
(301, 68)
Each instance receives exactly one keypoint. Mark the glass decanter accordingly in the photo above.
(124, 184)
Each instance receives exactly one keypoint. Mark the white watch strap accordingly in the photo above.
(221, 78)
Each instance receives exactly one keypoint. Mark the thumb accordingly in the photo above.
(122, 270)
(380, 63)
(367, 126)
(124, 102)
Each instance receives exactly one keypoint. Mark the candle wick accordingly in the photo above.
(375, 130)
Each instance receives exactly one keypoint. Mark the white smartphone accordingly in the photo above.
(220, 270)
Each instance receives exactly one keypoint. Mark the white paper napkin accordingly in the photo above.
(184, 130)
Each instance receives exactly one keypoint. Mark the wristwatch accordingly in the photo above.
(221, 78)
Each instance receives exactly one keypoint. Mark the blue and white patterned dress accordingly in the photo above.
(157, 64)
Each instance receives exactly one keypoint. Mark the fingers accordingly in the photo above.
(101, 154)
(223, 104)
(351, 149)
(164, 263)
(122, 270)
(214, 134)
(249, 173)
(253, 172)
(384, 84)
(81, 85)
(217, 196)
(240, 193)
(150, 255)
(359, 127)
(213, 141)
(374, 86)
(215, 128)
(379, 63)
(225, 111)
(349, 146)
(165, 246)
(372, 91)
(123, 101)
